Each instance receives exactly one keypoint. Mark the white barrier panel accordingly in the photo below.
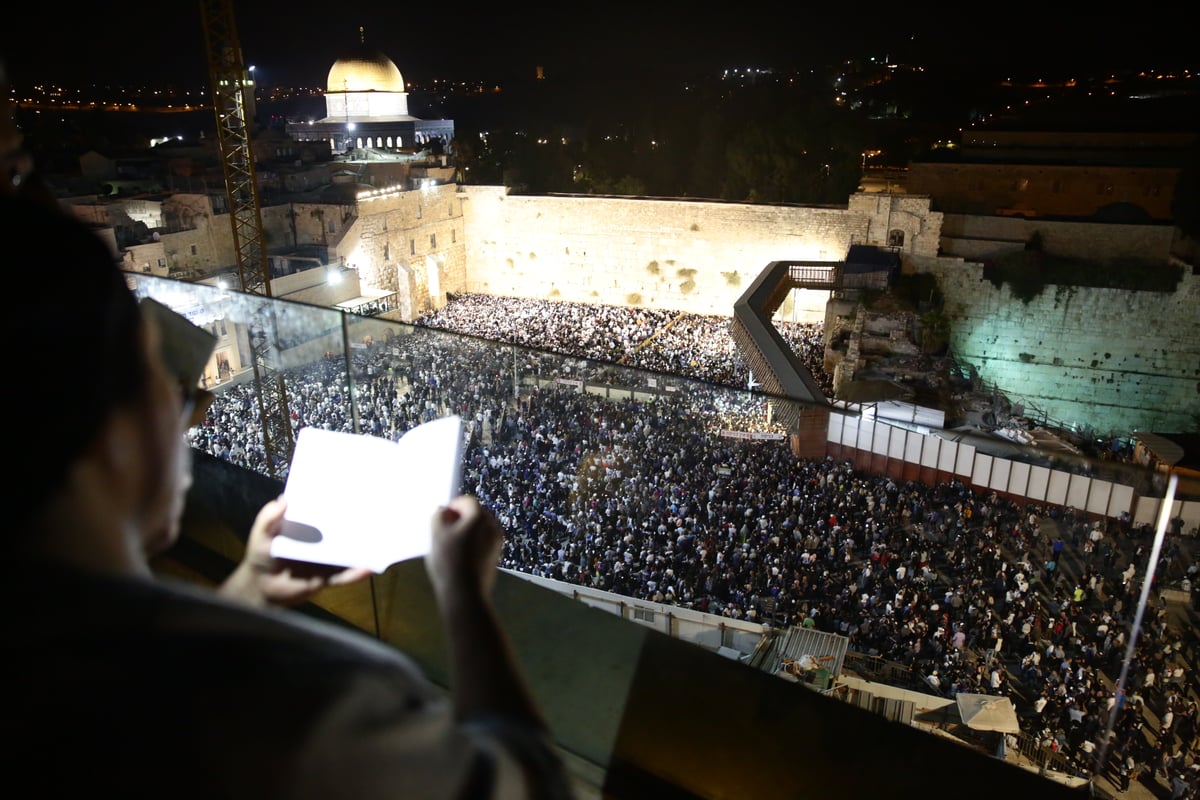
(1056, 489)
(981, 473)
(1120, 500)
(931, 451)
(865, 434)
(966, 460)
(1001, 472)
(1098, 497)
(913, 442)
(833, 429)
(1018, 478)
(947, 453)
(602, 604)
(1077, 491)
(1039, 481)
(1191, 511)
(1035, 483)
(849, 430)
(654, 620)
(1146, 512)
(601, 390)
(707, 630)
(879, 439)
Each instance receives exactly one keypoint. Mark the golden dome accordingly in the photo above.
(366, 71)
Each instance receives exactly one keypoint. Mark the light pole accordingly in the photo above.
(1164, 519)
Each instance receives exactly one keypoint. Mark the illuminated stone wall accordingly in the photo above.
(411, 243)
(978, 238)
(1109, 360)
(689, 256)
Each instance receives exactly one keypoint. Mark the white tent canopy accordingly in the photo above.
(987, 712)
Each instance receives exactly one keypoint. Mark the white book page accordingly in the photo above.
(355, 500)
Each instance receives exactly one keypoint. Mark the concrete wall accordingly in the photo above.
(710, 631)
(1114, 360)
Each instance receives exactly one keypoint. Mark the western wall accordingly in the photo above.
(695, 256)
(1112, 360)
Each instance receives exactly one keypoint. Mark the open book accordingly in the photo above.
(355, 500)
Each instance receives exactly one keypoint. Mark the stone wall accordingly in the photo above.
(975, 237)
(1113, 359)
(1109, 360)
(1068, 354)
(412, 243)
(1046, 189)
(203, 249)
(691, 256)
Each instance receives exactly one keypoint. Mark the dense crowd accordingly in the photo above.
(693, 345)
(645, 495)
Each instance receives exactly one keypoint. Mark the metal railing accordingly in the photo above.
(811, 276)
(1030, 746)
(883, 671)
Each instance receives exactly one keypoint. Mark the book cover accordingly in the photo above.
(356, 500)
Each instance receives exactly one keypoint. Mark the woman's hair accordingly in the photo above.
(74, 345)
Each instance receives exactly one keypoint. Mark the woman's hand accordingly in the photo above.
(262, 580)
(465, 552)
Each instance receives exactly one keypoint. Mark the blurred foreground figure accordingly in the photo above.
(129, 685)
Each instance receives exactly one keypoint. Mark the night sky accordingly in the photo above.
(289, 47)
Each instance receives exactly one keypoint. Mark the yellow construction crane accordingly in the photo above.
(229, 84)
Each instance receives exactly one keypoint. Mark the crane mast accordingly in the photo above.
(229, 83)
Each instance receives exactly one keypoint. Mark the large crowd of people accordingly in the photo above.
(643, 494)
(693, 345)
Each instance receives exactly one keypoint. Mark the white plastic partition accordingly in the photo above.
(1015, 478)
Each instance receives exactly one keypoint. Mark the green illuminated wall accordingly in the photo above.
(1109, 360)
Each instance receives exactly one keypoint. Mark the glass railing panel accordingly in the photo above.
(674, 490)
(560, 432)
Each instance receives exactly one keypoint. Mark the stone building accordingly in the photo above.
(1122, 177)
